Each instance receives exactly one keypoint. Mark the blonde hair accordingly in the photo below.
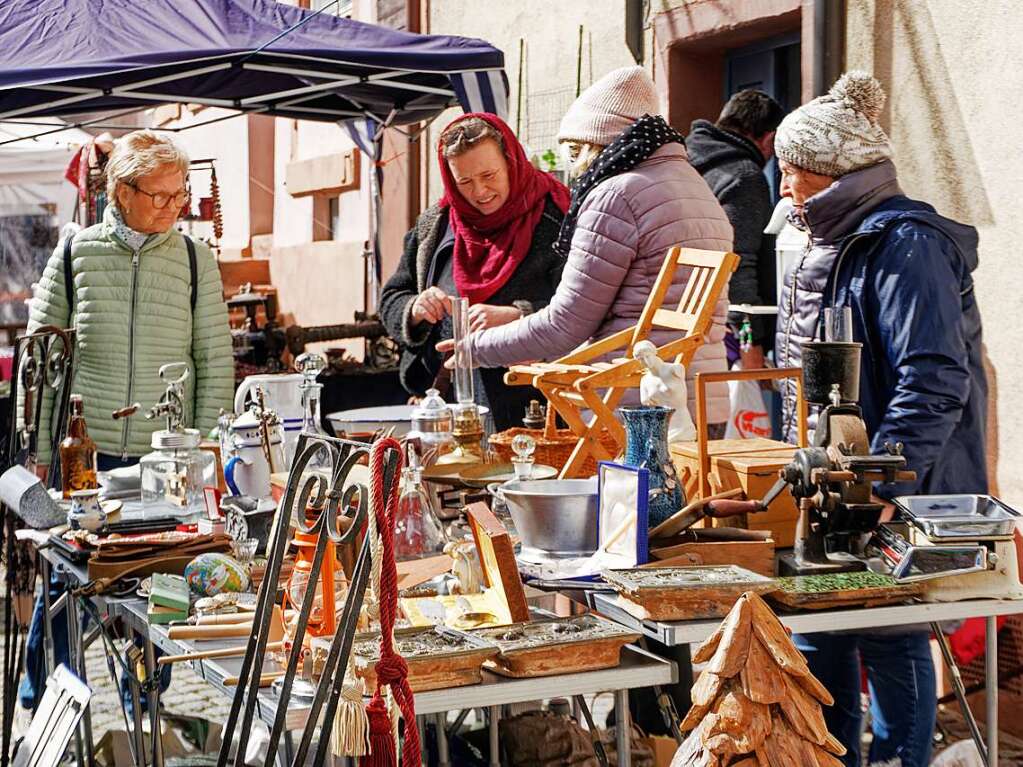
(138, 154)
(578, 156)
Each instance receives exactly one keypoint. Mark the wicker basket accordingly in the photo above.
(553, 446)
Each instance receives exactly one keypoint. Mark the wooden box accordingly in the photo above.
(699, 547)
(750, 464)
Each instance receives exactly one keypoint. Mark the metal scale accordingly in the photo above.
(970, 537)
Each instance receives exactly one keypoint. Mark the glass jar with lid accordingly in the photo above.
(432, 422)
(175, 473)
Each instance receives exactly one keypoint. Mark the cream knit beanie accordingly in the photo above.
(839, 132)
(609, 106)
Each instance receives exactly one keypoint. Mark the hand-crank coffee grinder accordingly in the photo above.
(832, 481)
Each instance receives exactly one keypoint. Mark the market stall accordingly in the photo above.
(345, 590)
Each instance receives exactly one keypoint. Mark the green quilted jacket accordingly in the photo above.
(132, 312)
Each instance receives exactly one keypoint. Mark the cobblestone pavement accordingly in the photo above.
(187, 695)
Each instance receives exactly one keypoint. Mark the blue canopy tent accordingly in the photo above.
(69, 58)
(66, 57)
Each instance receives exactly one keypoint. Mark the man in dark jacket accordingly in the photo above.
(730, 155)
(907, 274)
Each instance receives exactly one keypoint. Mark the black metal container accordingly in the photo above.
(826, 363)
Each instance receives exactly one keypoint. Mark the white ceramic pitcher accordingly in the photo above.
(246, 471)
(281, 394)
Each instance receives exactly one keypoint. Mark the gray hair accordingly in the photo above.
(138, 154)
(465, 134)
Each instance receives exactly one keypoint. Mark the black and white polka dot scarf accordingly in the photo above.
(637, 142)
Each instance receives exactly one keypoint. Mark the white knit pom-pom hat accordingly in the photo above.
(839, 132)
(609, 106)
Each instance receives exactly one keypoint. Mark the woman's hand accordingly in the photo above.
(483, 316)
(432, 305)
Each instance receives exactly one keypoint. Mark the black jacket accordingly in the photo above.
(530, 288)
(732, 166)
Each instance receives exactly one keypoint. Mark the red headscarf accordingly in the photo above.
(489, 248)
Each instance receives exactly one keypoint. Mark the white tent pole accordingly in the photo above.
(333, 84)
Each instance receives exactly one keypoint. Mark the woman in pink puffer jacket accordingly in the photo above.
(638, 197)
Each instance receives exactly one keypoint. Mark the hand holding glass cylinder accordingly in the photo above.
(463, 375)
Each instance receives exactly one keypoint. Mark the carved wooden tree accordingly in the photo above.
(756, 704)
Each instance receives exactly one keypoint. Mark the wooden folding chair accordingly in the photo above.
(584, 380)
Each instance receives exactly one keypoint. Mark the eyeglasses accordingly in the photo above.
(161, 199)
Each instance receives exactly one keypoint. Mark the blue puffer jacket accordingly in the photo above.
(907, 274)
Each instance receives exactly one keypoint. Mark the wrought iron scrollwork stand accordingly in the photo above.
(43, 362)
(334, 499)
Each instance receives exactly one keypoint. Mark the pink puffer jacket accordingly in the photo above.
(625, 227)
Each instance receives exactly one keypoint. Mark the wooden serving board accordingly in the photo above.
(428, 673)
(682, 604)
(561, 659)
(552, 646)
(684, 593)
(878, 596)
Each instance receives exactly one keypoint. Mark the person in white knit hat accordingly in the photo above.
(634, 196)
(906, 274)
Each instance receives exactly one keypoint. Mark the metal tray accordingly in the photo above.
(958, 516)
(695, 577)
(430, 641)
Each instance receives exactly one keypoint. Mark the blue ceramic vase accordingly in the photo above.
(646, 446)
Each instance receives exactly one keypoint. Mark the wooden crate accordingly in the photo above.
(750, 464)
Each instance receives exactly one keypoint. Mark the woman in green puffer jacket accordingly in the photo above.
(132, 304)
(135, 308)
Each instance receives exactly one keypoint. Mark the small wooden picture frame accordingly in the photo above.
(497, 559)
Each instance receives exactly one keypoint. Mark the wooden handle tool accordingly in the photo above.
(224, 652)
(264, 681)
(224, 619)
(229, 631)
(689, 514)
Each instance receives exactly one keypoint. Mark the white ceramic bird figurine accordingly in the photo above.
(664, 384)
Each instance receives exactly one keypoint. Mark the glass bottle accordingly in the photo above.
(77, 453)
(417, 530)
(310, 365)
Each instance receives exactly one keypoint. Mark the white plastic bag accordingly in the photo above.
(961, 754)
(748, 417)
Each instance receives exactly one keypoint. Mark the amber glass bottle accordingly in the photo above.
(77, 453)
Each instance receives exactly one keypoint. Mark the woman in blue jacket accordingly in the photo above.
(907, 274)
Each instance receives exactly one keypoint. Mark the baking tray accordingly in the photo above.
(958, 516)
(551, 646)
(437, 657)
(684, 593)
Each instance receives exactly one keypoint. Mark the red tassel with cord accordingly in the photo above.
(391, 669)
(382, 751)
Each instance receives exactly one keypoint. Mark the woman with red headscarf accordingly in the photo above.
(489, 239)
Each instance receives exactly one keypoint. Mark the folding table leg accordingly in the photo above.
(153, 698)
(991, 689)
(623, 727)
(495, 741)
(443, 757)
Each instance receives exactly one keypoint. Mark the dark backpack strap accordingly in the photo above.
(193, 269)
(69, 278)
